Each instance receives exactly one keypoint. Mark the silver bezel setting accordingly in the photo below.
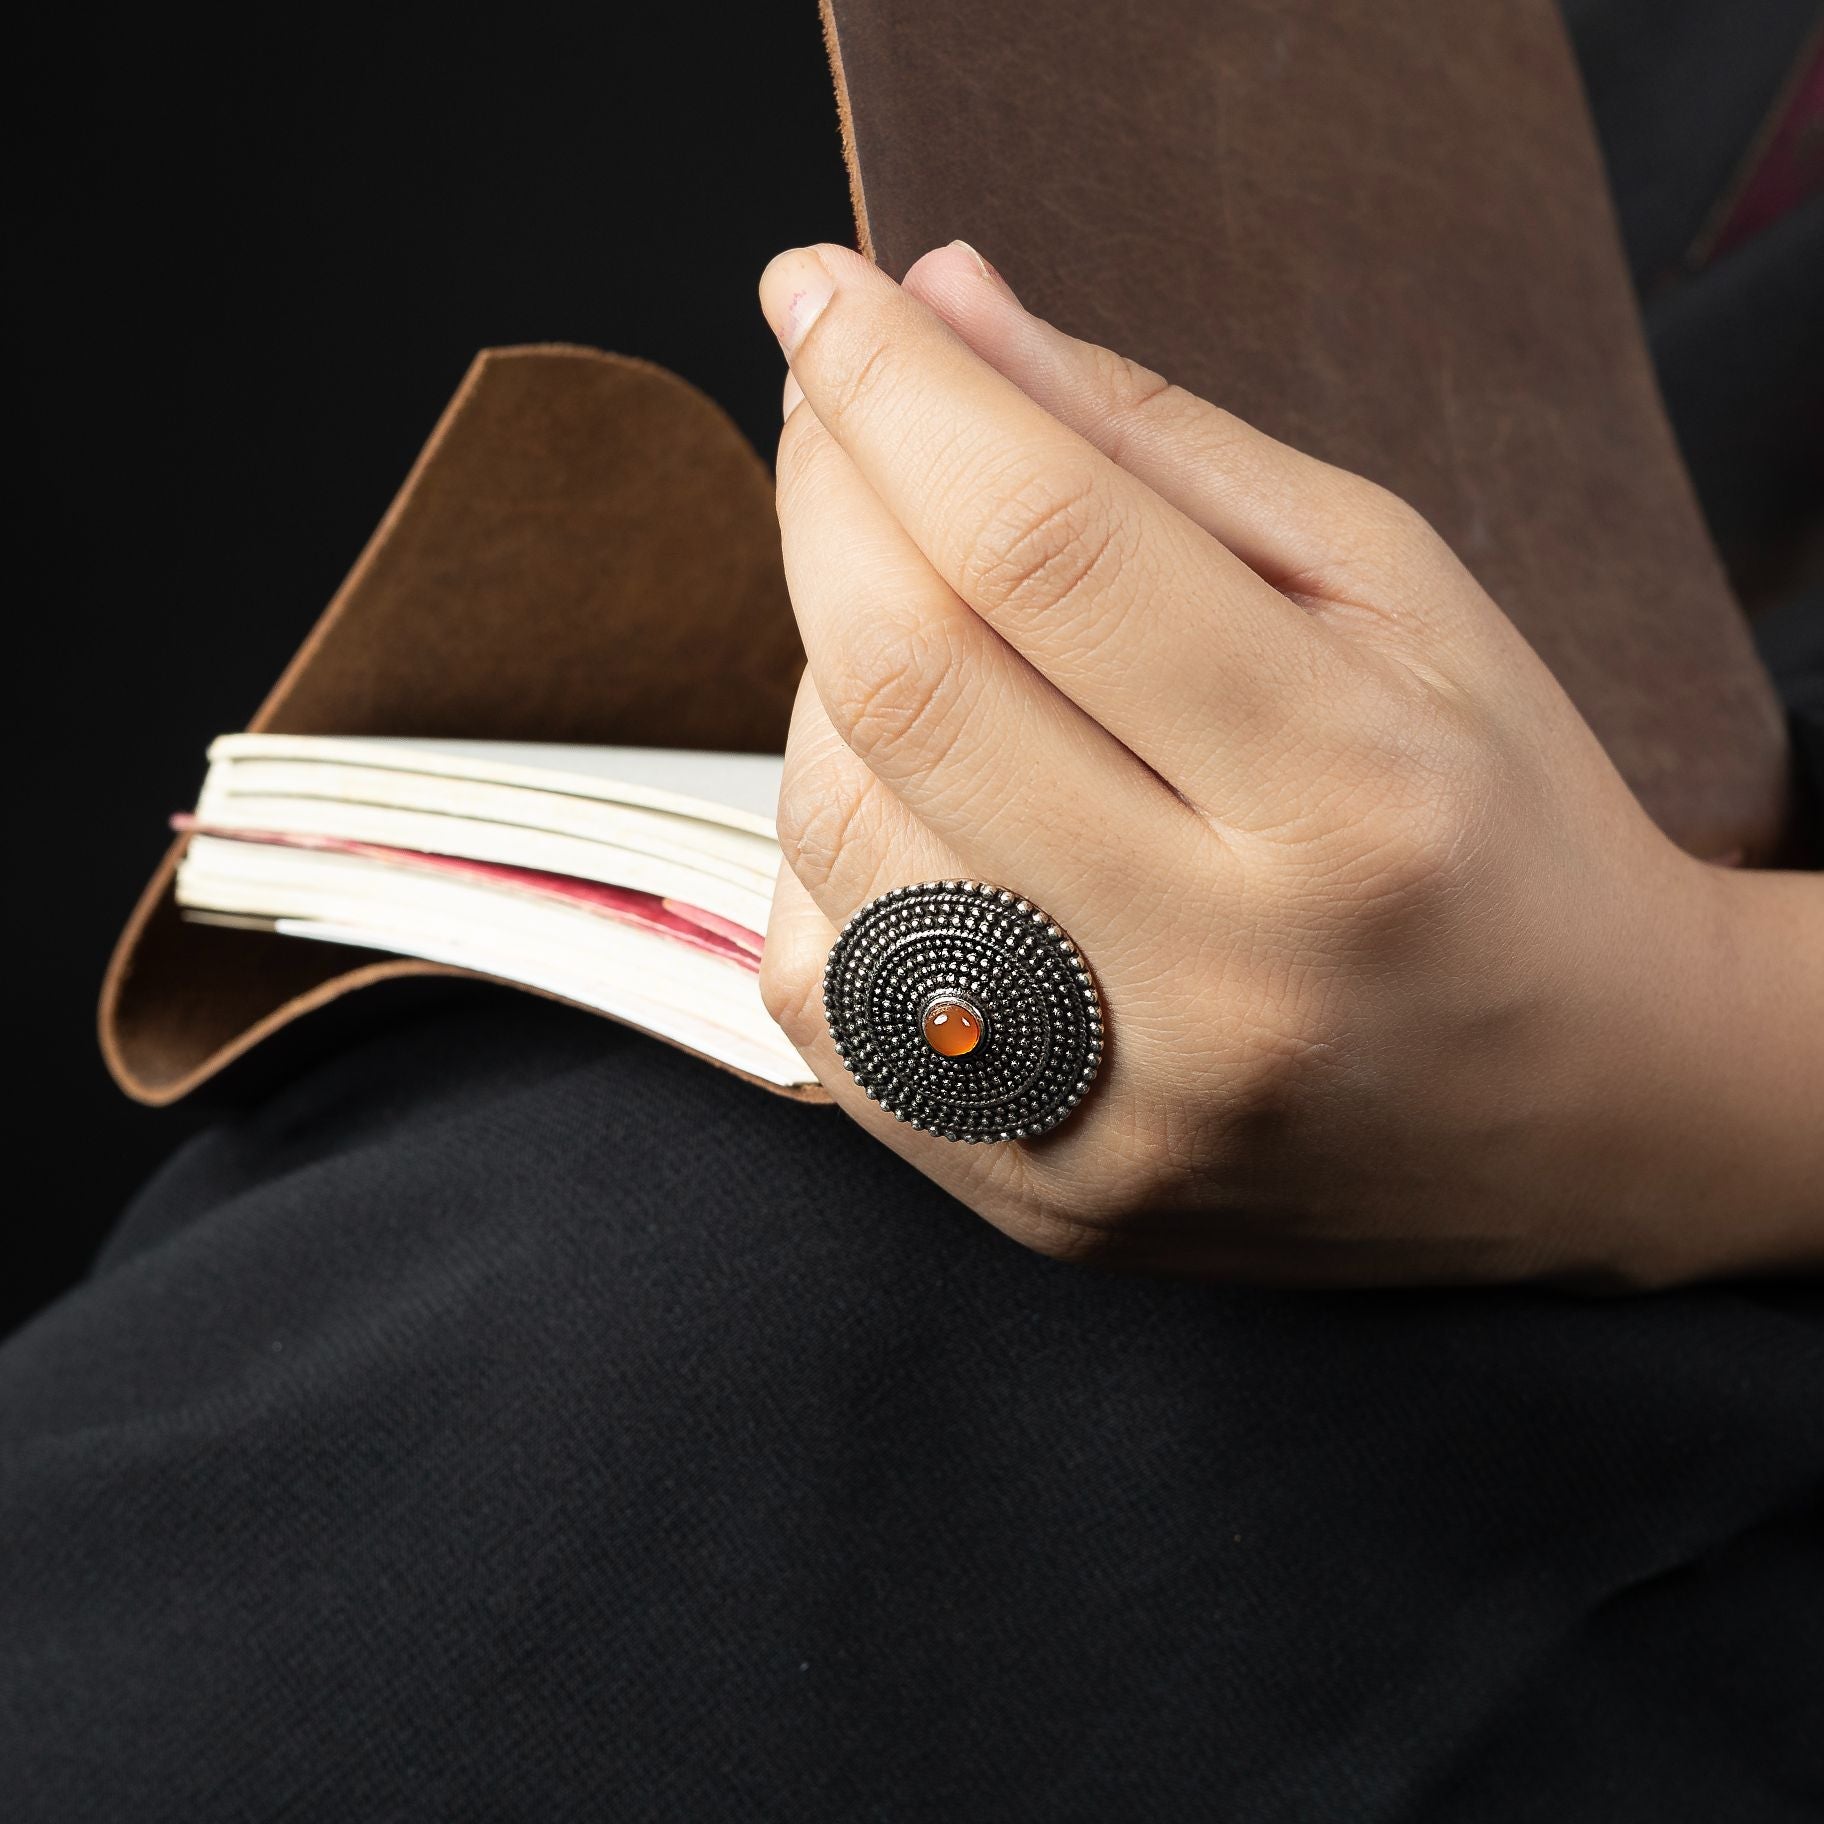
(1004, 959)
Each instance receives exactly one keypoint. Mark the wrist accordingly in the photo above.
(1743, 1128)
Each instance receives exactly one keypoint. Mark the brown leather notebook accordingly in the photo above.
(1379, 231)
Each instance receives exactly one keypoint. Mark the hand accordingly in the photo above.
(1401, 983)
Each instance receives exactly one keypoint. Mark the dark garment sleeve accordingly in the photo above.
(1791, 639)
(515, 1419)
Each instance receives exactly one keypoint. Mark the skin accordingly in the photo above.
(1402, 985)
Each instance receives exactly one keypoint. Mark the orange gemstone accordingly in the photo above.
(951, 1030)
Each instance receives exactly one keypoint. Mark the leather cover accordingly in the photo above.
(1379, 231)
(585, 551)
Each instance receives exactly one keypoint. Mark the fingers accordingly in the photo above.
(1005, 773)
(1153, 628)
(1304, 525)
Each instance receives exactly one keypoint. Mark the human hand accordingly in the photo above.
(1401, 983)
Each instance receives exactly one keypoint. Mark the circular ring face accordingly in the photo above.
(962, 1009)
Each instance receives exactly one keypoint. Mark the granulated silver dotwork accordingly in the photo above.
(964, 945)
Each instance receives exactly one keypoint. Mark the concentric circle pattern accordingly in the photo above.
(1041, 1041)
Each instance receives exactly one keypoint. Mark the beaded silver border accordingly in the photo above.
(1042, 1032)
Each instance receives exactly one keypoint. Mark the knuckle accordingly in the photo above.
(818, 818)
(1417, 821)
(894, 689)
(1148, 407)
(1390, 526)
(1285, 1045)
(1438, 783)
(1077, 1217)
(1377, 548)
(792, 993)
(1044, 547)
(857, 372)
(1412, 846)
(1133, 390)
(1072, 1242)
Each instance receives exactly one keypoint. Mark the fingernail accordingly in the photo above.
(792, 396)
(986, 267)
(793, 291)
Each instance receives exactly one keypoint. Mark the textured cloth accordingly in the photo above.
(510, 1419)
(515, 1419)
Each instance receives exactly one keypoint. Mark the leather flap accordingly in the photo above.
(585, 551)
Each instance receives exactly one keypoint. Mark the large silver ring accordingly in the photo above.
(964, 1010)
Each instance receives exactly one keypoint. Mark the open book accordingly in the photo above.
(634, 881)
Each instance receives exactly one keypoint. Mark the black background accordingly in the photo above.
(257, 266)
(257, 253)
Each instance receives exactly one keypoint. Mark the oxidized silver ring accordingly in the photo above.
(964, 1010)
